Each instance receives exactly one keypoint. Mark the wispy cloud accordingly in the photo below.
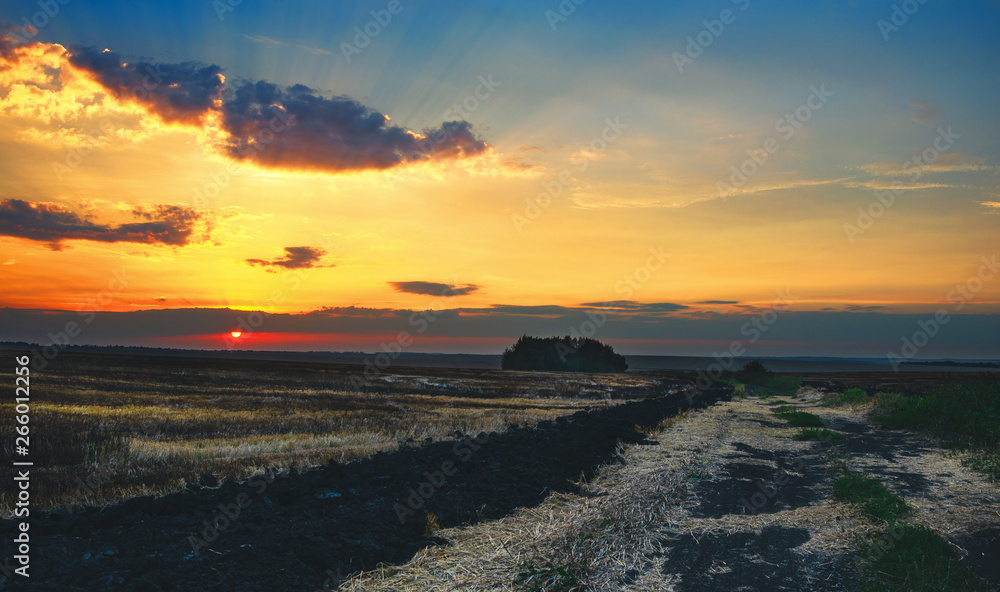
(924, 112)
(270, 41)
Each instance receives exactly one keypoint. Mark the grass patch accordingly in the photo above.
(874, 498)
(965, 416)
(799, 419)
(779, 402)
(967, 413)
(806, 434)
(784, 385)
(853, 397)
(549, 577)
(985, 461)
(909, 557)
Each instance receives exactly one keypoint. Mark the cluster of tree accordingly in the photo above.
(562, 354)
(753, 372)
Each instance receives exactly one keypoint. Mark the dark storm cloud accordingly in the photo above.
(176, 92)
(295, 258)
(51, 223)
(295, 127)
(290, 127)
(434, 288)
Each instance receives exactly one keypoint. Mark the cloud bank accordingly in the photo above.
(51, 223)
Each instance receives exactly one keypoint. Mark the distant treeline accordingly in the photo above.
(953, 363)
(562, 354)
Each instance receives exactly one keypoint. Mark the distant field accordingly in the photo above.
(105, 428)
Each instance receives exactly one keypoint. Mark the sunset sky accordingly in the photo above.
(666, 171)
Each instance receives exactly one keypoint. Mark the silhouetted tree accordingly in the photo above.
(753, 372)
(562, 354)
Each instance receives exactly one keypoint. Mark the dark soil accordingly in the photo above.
(984, 553)
(301, 531)
(773, 482)
(744, 562)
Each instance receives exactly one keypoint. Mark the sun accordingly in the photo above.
(236, 333)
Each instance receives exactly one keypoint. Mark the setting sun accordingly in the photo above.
(236, 333)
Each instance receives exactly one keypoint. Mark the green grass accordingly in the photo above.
(968, 413)
(965, 416)
(854, 396)
(779, 402)
(798, 419)
(548, 577)
(985, 461)
(915, 558)
(784, 385)
(754, 373)
(875, 499)
(821, 435)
